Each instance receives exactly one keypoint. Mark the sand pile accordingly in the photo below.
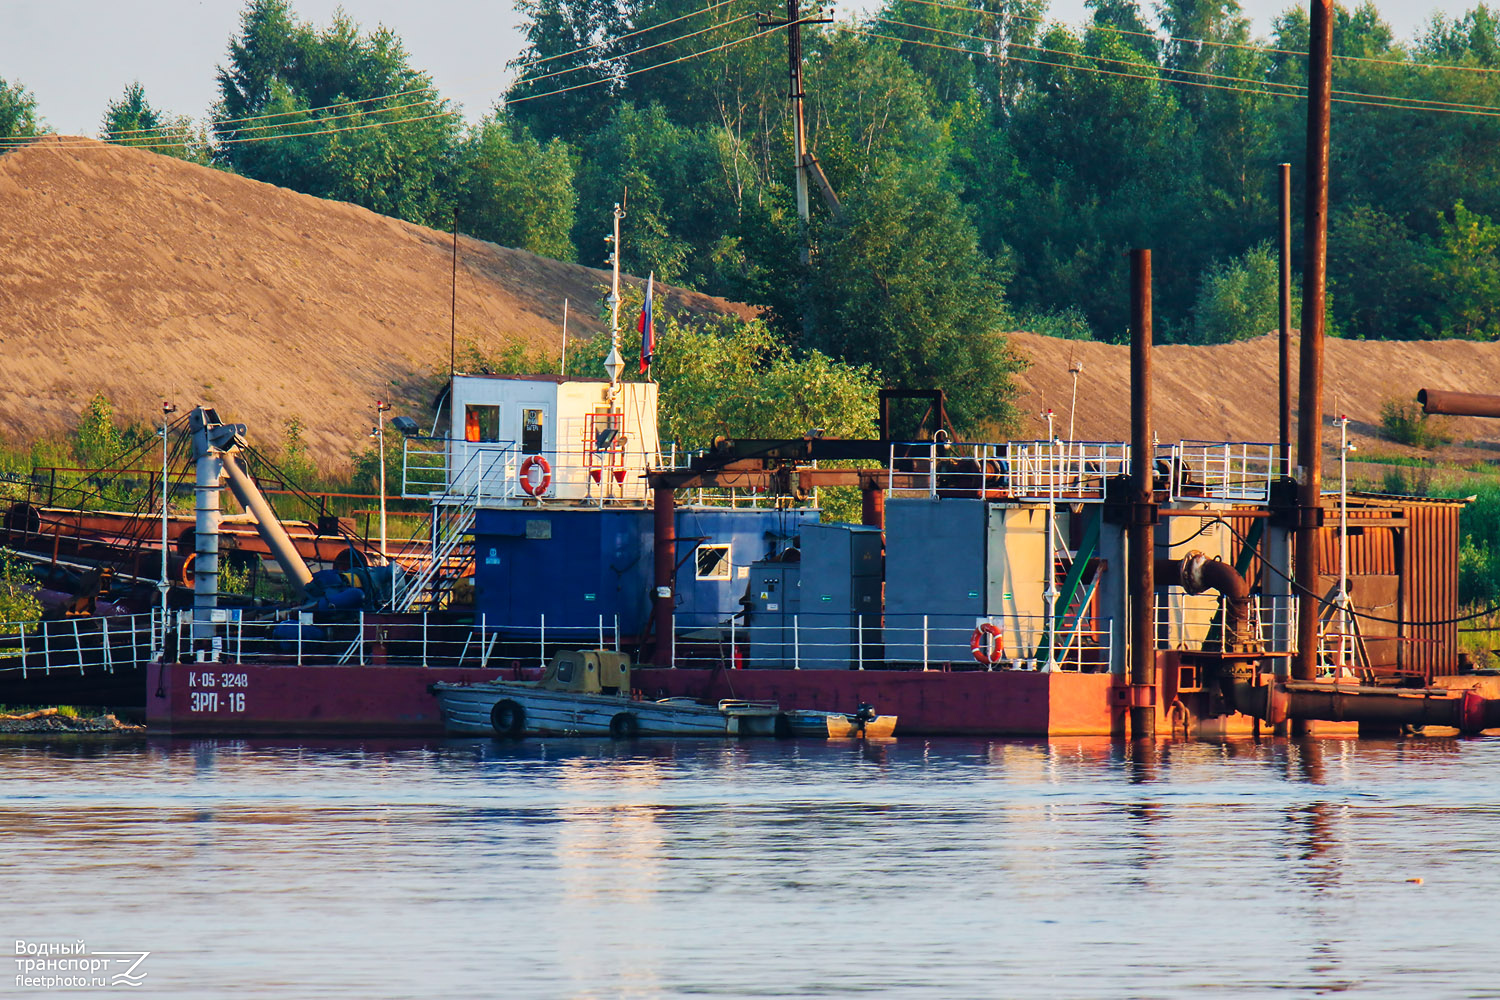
(150, 278)
(1229, 392)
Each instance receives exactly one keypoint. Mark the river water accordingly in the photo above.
(912, 868)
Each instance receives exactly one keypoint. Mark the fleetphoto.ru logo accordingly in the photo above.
(69, 965)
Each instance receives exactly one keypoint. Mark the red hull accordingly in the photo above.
(222, 699)
(244, 699)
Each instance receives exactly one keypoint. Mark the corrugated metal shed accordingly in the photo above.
(1415, 540)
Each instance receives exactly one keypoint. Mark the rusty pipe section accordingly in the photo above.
(1197, 573)
(1140, 578)
(1458, 404)
(1464, 710)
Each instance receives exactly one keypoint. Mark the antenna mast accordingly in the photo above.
(613, 364)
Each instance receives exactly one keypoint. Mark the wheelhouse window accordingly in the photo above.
(481, 423)
(713, 562)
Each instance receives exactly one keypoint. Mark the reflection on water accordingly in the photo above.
(936, 868)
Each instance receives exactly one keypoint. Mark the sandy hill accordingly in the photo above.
(1229, 392)
(150, 278)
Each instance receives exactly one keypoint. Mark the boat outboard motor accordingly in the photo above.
(862, 716)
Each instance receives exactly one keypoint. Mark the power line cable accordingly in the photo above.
(1418, 103)
(1258, 86)
(1248, 47)
(626, 55)
(629, 34)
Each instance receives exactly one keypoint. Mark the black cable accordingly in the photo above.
(1492, 609)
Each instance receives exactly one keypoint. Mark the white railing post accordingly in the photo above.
(796, 644)
(108, 662)
(424, 638)
(860, 626)
(23, 649)
(484, 643)
(46, 649)
(361, 636)
(543, 650)
(924, 642)
(733, 659)
(300, 627)
(617, 617)
(601, 632)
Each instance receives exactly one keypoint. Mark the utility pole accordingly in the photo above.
(800, 158)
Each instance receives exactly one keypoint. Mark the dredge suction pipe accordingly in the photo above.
(1459, 404)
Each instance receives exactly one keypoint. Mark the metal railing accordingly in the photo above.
(437, 467)
(1190, 622)
(1074, 471)
(106, 644)
(822, 641)
(1225, 470)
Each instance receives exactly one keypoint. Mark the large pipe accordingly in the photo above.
(1310, 381)
(209, 476)
(267, 523)
(1141, 592)
(665, 551)
(1285, 294)
(872, 505)
(1459, 404)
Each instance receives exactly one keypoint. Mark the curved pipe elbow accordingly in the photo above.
(1196, 573)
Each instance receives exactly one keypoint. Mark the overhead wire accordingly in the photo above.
(617, 38)
(1299, 90)
(1258, 87)
(644, 48)
(1244, 46)
(91, 143)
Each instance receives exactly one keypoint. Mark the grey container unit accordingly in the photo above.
(771, 604)
(841, 580)
(934, 566)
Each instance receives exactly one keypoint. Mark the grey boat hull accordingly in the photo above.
(470, 709)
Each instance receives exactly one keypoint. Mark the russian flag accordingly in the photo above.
(647, 328)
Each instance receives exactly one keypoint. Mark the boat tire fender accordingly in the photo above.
(508, 718)
(540, 486)
(987, 644)
(624, 726)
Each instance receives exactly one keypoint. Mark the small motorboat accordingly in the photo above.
(587, 693)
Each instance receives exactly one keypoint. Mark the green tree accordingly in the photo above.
(132, 121)
(1466, 273)
(97, 442)
(569, 73)
(337, 114)
(18, 587)
(734, 377)
(18, 117)
(900, 284)
(1240, 298)
(516, 191)
(680, 221)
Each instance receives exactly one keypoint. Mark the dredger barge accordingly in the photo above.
(1009, 588)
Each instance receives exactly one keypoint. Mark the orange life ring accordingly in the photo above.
(987, 644)
(533, 462)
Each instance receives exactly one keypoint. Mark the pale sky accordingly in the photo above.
(77, 55)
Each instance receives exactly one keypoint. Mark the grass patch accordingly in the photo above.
(1405, 423)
